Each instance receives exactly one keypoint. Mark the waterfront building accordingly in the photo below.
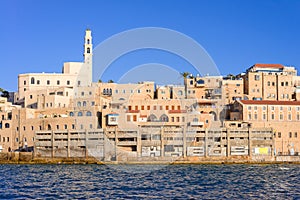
(67, 115)
(282, 116)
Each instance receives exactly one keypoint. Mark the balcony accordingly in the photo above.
(197, 123)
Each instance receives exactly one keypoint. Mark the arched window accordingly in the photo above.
(214, 115)
(79, 114)
(32, 80)
(6, 125)
(110, 91)
(152, 118)
(200, 81)
(180, 93)
(71, 114)
(104, 91)
(49, 127)
(79, 104)
(195, 120)
(88, 113)
(164, 118)
(88, 50)
(84, 103)
(88, 41)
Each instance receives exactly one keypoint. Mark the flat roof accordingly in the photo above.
(269, 102)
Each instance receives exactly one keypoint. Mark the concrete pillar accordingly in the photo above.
(68, 144)
(86, 146)
(52, 143)
(250, 142)
(206, 143)
(228, 142)
(162, 153)
(184, 141)
(139, 142)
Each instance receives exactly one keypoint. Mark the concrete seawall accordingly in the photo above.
(28, 158)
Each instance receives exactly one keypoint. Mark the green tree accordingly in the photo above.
(4, 93)
(110, 81)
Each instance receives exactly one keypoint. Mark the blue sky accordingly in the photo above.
(38, 36)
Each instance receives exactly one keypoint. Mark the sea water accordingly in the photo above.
(150, 181)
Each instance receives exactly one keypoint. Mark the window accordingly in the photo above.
(255, 107)
(295, 134)
(88, 41)
(24, 82)
(32, 80)
(88, 50)
(272, 107)
(6, 125)
(281, 116)
(264, 108)
(273, 116)
(273, 83)
(249, 116)
(88, 113)
(249, 107)
(264, 116)
(66, 126)
(255, 116)
(281, 108)
(79, 114)
(58, 82)
(290, 116)
(57, 127)
(68, 82)
(256, 77)
(282, 83)
(38, 82)
(290, 134)
(79, 104)
(30, 96)
(279, 134)
(48, 82)
(84, 103)
(142, 107)
(269, 83)
(71, 114)
(82, 93)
